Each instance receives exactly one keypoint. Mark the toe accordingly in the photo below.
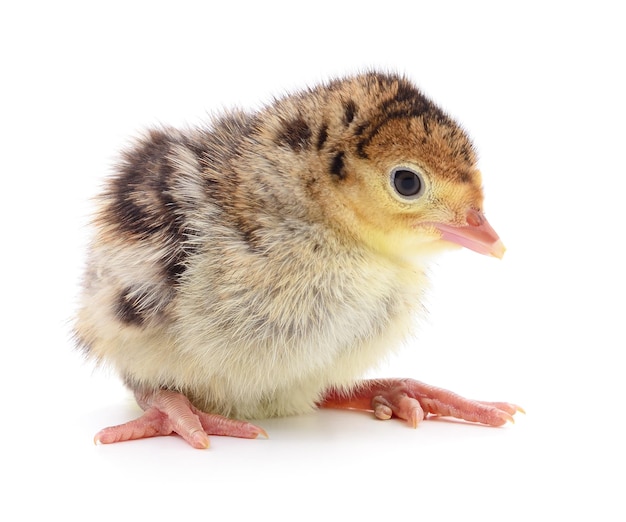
(382, 408)
(400, 405)
(150, 424)
(218, 425)
(411, 410)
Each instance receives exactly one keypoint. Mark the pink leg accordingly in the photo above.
(413, 400)
(168, 412)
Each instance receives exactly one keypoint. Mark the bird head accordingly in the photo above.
(403, 174)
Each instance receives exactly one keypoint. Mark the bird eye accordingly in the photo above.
(407, 183)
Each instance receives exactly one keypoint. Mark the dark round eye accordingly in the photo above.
(407, 182)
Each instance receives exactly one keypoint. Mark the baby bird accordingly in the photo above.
(261, 265)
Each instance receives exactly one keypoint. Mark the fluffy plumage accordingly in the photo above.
(258, 263)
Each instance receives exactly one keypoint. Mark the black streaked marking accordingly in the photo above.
(360, 129)
(135, 306)
(363, 142)
(464, 177)
(337, 165)
(322, 136)
(360, 147)
(176, 265)
(296, 134)
(250, 236)
(467, 152)
(143, 201)
(128, 309)
(132, 218)
(408, 93)
(397, 114)
(406, 102)
(349, 112)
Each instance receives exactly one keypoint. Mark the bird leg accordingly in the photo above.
(167, 412)
(413, 400)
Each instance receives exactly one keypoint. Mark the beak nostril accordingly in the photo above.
(476, 234)
(474, 218)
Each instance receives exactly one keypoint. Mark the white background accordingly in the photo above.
(540, 87)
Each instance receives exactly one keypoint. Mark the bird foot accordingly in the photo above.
(413, 400)
(167, 412)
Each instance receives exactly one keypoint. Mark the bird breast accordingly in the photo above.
(268, 332)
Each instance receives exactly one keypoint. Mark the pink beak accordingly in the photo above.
(477, 235)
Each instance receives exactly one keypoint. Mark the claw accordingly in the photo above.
(200, 441)
(414, 418)
(260, 431)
